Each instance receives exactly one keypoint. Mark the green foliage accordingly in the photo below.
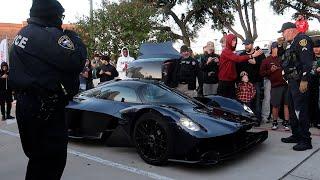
(220, 12)
(117, 25)
(310, 8)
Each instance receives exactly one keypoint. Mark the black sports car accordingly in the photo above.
(163, 124)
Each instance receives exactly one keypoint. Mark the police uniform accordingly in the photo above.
(187, 76)
(45, 64)
(297, 64)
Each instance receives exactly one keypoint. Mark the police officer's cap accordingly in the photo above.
(247, 42)
(184, 48)
(287, 25)
(46, 8)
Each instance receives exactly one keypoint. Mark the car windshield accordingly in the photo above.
(154, 94)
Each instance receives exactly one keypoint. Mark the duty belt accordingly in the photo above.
(292, 74)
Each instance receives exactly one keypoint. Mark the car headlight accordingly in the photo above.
(189, 124)
(246, 108)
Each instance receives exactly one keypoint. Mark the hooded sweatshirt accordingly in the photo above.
(227, 68)
(122, 63)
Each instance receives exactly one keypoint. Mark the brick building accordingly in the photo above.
(10, 30)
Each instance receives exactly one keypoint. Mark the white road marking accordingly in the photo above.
(105, 162)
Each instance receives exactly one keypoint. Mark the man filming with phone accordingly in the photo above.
(252, 67)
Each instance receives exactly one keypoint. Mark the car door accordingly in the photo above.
(103, 110)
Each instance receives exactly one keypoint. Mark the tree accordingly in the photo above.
(222, 14)
(310, 8)
(116, 25)
(186, 21)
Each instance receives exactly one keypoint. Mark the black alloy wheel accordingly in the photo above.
(152, 139)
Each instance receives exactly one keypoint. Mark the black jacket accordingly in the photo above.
(107, 68)
(187, 72)
(209, 71)
(252, 69)
(46, 59)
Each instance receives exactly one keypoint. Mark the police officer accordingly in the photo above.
(297, 65)
(45, 63)
(187, 72)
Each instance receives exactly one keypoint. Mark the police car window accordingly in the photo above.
(119, 93)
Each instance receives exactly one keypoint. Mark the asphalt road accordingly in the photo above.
(93, 160)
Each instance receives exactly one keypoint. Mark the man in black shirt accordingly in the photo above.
(187, 72)
(252, 67)
(107, 72)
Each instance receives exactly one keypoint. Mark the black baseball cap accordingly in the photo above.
(287, 25)
(184, 48)
(247, 42)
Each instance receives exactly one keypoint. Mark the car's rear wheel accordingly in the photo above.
(152, 139)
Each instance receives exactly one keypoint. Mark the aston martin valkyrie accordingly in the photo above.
(162, 123)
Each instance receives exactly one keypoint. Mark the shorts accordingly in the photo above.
(279, 95)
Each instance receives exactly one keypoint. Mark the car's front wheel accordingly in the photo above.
(152, 139)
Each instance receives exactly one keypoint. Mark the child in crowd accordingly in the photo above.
(245, 91)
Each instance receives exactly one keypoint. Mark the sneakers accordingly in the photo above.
(10, 117)
(274, 125)
(302, 146)
(285, 125)
(290, 139)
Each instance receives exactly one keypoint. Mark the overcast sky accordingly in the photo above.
(16, 11)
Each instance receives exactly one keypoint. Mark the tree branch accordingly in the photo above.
(239, 9)
(247, 19)
(216, 13)
(189, 15)
(254, 22)
(317, 16)
(310, 3)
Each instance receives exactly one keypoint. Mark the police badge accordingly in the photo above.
(66, 43)
(303, 43)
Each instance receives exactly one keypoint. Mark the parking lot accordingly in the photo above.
(94, 160)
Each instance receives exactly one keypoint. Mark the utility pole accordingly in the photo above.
(91, 12)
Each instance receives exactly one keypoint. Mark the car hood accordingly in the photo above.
(213, 125)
